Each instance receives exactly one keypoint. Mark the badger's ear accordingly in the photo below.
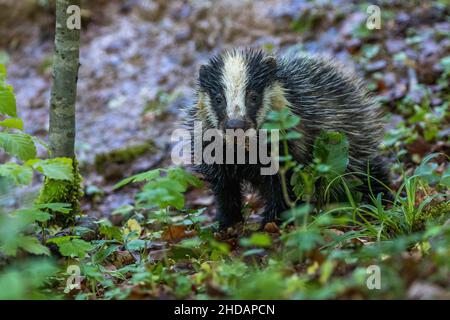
(271, 62)
(270, 67)
(203, 76)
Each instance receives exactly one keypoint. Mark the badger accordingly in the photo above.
(237, 89)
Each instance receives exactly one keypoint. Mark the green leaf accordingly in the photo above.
(135, 245)
(63, 239)
(427, 172)
(2, 73)
(305, 239)
(190, 243)
(57, 207)
(75, 248)
(32, 245)
(291, 135)
(19, 145)
(445, 178)
(298, 213)
(13, 123)
(24, 279)
(7, 101)
(257, 239)
(56, 168)
(27, 243)
(144, 176)
(184, 177)
(32, 215)
(111, 232)
(163, 193)
(21, 175)
(273, 116)
(282, 119)
(291, 121)
(331, 148)
(102, 254)
(10, 231)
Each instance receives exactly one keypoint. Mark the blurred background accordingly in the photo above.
(139, 63)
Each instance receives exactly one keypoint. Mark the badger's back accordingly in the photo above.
(329, 97)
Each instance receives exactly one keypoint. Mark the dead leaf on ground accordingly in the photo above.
(122, 257)
(271, 227)
(176, 233)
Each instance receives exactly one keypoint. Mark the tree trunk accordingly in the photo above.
(62, 110)
(64, 88)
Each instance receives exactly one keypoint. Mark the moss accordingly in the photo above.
(158, 106)
(60, 191)
(438, 212)
(123, 155)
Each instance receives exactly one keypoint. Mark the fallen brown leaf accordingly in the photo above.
(176, 233)
(271, 227)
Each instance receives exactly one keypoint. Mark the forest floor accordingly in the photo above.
(139, 63)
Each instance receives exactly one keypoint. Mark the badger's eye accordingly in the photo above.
(253, 97)
(219, 99)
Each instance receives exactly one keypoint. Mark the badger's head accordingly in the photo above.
(234, 89)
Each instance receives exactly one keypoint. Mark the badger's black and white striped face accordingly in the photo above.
(234, 88)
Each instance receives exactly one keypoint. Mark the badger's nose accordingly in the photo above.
(235, 124)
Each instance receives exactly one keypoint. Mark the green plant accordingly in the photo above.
(19, 228)
(22, 146)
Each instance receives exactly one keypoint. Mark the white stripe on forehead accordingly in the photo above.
(234, 81)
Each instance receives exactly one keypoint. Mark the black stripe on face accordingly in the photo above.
(261, 74)
(209, 82)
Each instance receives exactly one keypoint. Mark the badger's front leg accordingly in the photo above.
(226, 188)
(228, 203)
(272, 192)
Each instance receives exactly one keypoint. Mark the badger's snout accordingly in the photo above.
(235, 124)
